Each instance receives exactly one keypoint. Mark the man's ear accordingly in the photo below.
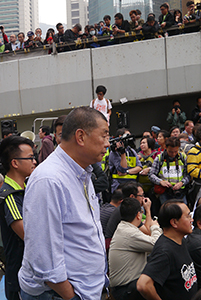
(14, 163)
(173, 223)
(80, 137)
(139, 215)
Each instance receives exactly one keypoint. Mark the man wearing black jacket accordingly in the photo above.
(73, 34)
(150, 27)
(121, 25)
(166, 19)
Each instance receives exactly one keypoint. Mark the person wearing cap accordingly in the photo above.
(30, 43)
(154, 132)
(73, 34)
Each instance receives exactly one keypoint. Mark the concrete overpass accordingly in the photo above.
(148, 73)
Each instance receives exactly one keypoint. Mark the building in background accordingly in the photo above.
(19, 15)
(99, 8)
(77, 12)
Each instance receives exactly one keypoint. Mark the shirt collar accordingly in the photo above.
(76, 168)
(13, 183)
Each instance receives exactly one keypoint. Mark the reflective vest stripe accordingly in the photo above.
(127, 176)
(173, 175)
(131, 162)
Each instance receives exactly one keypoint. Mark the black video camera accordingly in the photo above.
(198, 5)
(125, 141)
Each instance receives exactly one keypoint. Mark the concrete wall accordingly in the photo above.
(158, 70)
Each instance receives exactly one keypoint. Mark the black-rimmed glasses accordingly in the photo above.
(25, 158)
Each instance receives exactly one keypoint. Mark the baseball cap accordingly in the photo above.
(30, 33)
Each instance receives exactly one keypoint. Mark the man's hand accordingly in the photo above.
(185, 21)
(121, 174)
(163, 24)
(165, 183)
(115, 30)
(154, 222)
(173, 111)
(177, 186)
(178, 111)
(144, 171)
(146, 204)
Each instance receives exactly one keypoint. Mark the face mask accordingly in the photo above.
(92, 32)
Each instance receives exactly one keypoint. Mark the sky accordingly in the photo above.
(52, 11)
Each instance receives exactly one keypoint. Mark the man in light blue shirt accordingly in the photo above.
(64, 252)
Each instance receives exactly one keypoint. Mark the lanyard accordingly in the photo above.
(87, 196)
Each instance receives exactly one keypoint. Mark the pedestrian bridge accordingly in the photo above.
(34, 83)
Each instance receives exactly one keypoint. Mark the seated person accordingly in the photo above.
(194, 243)
(176, 117)
(154, 132)
(175, 131)
(124, 163)
(128, 250)
(170, 273)
(150, 28)
(166, 19)
(121, 25)
(186, 145)
(107, 208)
(163, 135)
(188, 129)
(132, 190)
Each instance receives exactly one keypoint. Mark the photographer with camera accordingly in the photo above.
(124, 163)
(190, 17)
(176, 117)
(30, 43)
(169, 172)
(121, 25)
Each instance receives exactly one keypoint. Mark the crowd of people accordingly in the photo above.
(65, 40)
(91, 198)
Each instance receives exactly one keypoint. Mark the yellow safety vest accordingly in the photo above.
(131, 162)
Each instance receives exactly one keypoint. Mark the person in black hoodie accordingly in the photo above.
(166, 19)
(196, 113)
(150, 27)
